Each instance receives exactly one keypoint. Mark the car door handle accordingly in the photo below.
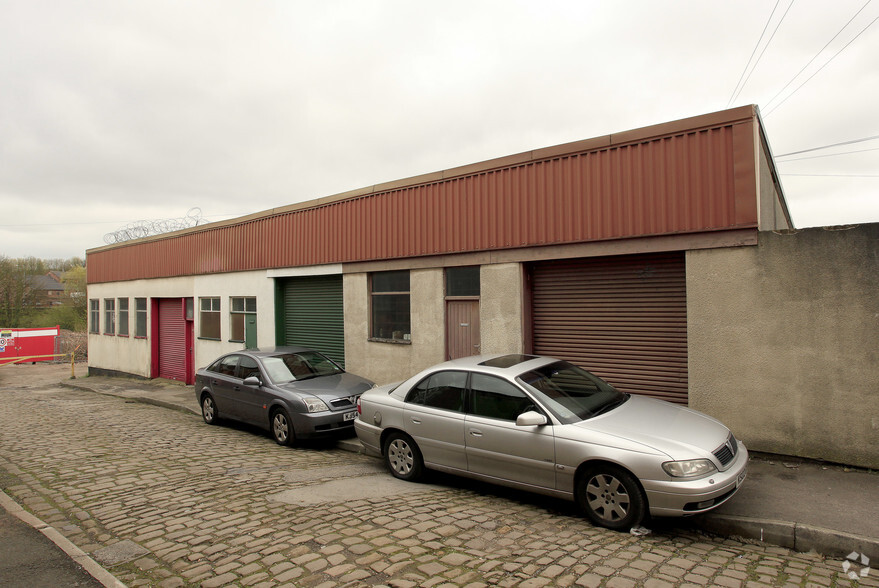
(416, 421)
(475, 432)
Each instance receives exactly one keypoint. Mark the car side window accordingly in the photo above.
(248, 367)
(227, 365)
(497, 399)
(443, 390)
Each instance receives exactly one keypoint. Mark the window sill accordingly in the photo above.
(391, 341)
(123, 336)
(140, 337)
(236, 340)
(208, 339)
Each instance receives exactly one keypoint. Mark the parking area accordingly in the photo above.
(159, 498)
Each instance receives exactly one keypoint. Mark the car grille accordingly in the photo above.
(342, 403)
(727, 452)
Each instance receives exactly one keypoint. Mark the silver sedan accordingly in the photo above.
(544, 425)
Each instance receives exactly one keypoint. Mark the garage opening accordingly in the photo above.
(623, 317)
(312, 315)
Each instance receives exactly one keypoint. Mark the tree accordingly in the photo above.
(16, 296)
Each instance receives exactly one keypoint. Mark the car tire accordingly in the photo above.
(282, 428)
(209, 410)
(611, 497)
(403, 457)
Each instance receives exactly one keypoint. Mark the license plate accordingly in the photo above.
(349, 416)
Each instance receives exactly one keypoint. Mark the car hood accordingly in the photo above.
(335, 386)
(679, 432)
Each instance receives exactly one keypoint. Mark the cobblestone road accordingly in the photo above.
(162, 499)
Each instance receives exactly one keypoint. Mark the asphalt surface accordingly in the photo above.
(30, 558)
(789, 503)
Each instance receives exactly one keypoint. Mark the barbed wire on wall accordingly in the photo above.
(143, 228)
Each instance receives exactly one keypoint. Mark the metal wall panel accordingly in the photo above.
(684, 182)
(172, 337)
(314, 315)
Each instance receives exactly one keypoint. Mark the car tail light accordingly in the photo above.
(359, 410)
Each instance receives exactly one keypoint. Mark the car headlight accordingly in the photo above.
(689, 468)
(315, 404)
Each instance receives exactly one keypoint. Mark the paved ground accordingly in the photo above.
(159, 498)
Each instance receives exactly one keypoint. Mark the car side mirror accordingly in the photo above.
(252, 381)
(531, 419)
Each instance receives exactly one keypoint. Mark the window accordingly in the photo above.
(209, 318)
(390, 306)
(498, 399)
(109, 316)
(440, 390)
(94, 315)
(140, 317)
(123, 317)
(462, 281)
(240, 307)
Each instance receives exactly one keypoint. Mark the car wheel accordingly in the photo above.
(282, 428)
(611, 497)
(403, 457)
(209, 410)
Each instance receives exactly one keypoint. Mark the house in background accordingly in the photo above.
(663, 259)
(47, 290)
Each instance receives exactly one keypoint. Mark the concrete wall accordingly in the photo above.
(501, 308)
(784, 342)
(384, 362)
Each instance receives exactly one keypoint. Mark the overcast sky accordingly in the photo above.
(117, 111)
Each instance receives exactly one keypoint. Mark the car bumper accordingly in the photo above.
(369, 436)
(683, 498)
(322, 425)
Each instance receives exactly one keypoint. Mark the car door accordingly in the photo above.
(434, 417)
(251, 399)
(496, 446)
(223, 381)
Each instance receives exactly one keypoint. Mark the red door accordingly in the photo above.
(173, 351)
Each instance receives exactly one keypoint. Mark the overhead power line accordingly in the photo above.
(839, 32)
(822, 67)
(831, 155)
(828, 146)
(766, 46)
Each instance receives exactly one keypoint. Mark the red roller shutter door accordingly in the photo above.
(623, 318)
(172, 340)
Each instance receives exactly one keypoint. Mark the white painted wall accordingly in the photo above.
(132, 356)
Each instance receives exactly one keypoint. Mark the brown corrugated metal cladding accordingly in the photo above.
(691, 176)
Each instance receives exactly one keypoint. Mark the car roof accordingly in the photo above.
(269, 351)
(506, 364)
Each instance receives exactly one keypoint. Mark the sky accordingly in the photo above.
(114, 112)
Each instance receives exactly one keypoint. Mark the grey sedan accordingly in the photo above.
(293, 392)
(547, 426)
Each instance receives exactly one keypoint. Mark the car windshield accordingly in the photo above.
(295, 367)
(572, 394)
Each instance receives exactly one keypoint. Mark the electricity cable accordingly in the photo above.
(771, 100)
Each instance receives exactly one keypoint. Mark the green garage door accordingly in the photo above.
(313, 315)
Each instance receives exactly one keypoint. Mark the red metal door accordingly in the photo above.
(462, 328)
(173, 349)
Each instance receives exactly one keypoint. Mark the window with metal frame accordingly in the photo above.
(122, 327)
(389, 298)
(140, 318)
(109, 316)
(209, 318)
(94, 316)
